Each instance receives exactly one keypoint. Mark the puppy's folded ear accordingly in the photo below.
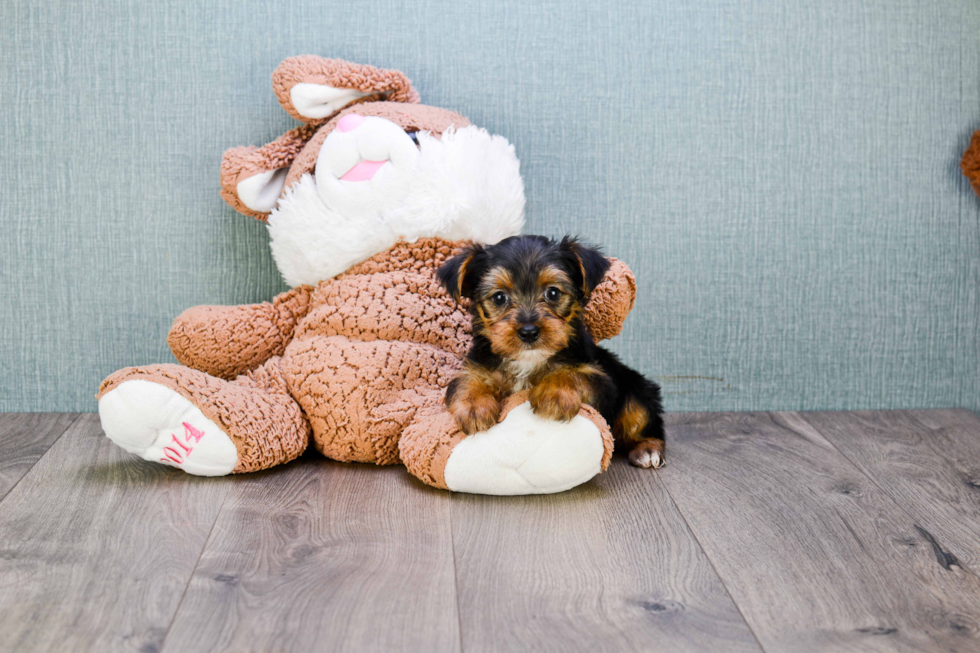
(460, 274)
(587, 264)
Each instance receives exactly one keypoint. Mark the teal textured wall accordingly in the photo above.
(781, 174)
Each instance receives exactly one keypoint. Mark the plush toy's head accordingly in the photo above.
(370, 166)
(971, 162)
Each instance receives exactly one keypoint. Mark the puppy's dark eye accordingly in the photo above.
(499, 298)
(552, 294)
(414, 136)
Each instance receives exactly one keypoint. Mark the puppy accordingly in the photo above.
(527, 295)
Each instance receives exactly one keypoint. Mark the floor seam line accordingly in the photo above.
(190, 577)
(452, 545)
(711, 562)
(6, 494)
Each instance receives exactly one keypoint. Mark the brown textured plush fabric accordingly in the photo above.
(255, 410)
(226, 341)
(971, 162)
(391, 85)
(240, 163)
(425, 444)
(360, 364)
(424, 255)
(360, 396)
(399, 305)
(375, 347)
(611, 302)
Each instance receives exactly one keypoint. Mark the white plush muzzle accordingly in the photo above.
(466, 185)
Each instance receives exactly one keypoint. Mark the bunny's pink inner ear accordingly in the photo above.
(313, 89)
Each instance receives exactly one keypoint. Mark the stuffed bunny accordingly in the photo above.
(363, 202)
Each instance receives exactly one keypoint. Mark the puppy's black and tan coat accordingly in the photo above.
(527, 294)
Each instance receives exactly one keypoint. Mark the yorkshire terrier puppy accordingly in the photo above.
(527, 295)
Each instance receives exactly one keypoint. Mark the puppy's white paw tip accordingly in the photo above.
(160, 425)
(646, 458)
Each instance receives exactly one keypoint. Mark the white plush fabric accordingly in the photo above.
(466, 185)
(160, 425)
(374, 139)
(319, 100)
(526, 454)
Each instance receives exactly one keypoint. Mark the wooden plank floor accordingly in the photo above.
(765, 532)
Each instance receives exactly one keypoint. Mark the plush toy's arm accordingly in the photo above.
(611, 302)
(226, 341)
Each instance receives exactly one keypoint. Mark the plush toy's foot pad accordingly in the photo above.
(160, 425)
(526, 454)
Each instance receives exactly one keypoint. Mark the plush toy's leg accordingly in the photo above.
(522, 454)
(201, 424)
(359, 396)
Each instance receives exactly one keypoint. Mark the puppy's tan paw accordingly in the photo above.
(477, 414)
(555, 401)
(649, 453)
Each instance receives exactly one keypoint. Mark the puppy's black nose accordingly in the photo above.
(528, 333)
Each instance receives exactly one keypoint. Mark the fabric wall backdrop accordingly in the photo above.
(781, 175)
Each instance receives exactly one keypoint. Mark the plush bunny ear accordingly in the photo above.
(252, 178)
(970, 164)
(312, 89)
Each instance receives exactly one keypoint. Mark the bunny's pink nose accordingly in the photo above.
(349, 122)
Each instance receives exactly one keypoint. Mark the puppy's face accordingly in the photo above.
(526, 292)
(526, 308)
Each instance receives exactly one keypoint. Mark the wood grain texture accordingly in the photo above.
(608, 566)
(324, 556)
(24, 437)
(928, 461)
(816, 556)
(759, 530)
(97, 547)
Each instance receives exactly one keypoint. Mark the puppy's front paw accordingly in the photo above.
(555, 401)
(648, 453)
(476, 414)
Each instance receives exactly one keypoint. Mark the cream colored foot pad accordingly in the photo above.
(160, 425)
(526, 454)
